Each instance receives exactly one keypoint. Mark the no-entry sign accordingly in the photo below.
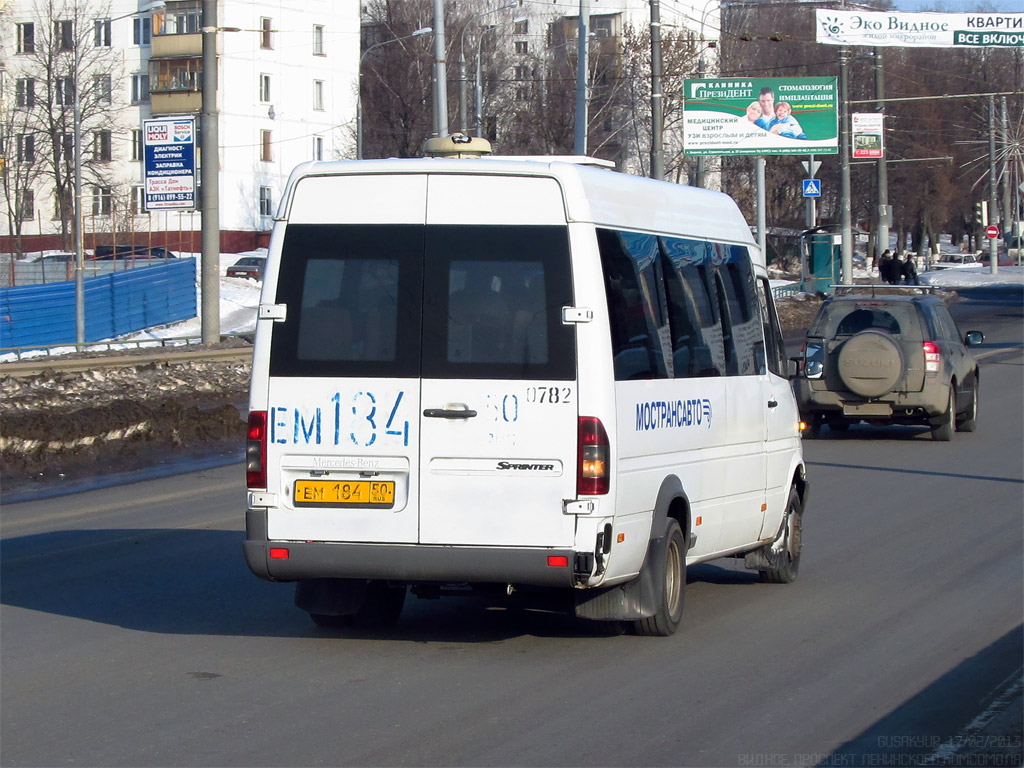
(992, 231)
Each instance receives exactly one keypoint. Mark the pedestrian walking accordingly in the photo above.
(910, 271)
(884, 265)
(895, 270)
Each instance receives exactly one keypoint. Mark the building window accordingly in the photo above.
(101, 33)
(179, 22)
(65, 91)
(27, 38)
(26, 148)
(136, 144)
(140, 89)
(142, 30)
(601, 26)
(101, 146)
(521, 28)
(266, 38)
(101, 88)
(26, 205)
(265, 202)
(318, 95)
(266, 140)
(25, 92)
(265, 88)
(66, 148)
(318, 147)
(101, 201)
(522, 47)
(64, 35)
(318, 39)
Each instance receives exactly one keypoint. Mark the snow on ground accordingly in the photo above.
(240, 298)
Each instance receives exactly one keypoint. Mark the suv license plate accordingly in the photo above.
(345, 493)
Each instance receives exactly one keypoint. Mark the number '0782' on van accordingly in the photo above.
(524, 376)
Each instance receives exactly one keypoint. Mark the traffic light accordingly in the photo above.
(981, 213)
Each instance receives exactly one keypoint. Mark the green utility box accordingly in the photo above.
(822, 260)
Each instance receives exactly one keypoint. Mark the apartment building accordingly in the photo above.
(288, 74)
(286, 94)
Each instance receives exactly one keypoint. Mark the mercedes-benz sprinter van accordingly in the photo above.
(534, 376)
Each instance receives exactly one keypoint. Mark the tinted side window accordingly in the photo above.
(493, 298)
(741, 299)
(639, 327)
(697, 336)
(354, 301)
(774, 346)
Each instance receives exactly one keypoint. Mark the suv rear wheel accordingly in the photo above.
(944, 424)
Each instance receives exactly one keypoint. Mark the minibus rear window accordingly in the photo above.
(442, 301)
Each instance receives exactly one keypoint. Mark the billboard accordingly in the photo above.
(761, 116)
(169, 163)
(919, 30)
(868, 134)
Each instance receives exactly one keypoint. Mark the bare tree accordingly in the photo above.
(64, 52)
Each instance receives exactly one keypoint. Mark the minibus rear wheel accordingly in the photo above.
(668, 554)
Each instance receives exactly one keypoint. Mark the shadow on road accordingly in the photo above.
(972, 715)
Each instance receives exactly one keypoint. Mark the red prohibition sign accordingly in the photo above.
(992, 231)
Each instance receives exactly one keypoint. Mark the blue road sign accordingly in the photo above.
(812, 188)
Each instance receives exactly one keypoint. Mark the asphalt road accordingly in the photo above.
(132, 633)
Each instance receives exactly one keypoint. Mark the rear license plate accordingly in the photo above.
(344, 493)
(867, 409)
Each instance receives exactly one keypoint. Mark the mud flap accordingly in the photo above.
(330, 597)
(634, 600)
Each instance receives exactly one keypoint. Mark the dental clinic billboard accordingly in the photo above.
(761, 116)
(919, 30)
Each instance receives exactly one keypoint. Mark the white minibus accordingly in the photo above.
(539, 377)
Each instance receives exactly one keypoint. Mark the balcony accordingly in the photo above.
(175, 46)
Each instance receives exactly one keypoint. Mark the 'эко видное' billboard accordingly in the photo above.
(761, 116)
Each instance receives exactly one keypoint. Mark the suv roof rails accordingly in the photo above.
(886, 289)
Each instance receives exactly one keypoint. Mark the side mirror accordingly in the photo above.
(974, 338)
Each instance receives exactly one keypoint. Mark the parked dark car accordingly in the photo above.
(248, 266)
(888, 355)
(107, 252)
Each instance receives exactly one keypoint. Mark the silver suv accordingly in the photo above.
(888, 355)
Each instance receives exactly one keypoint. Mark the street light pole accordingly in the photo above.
(582, 77)
(440, 71)
(657, 112)
(359, 84)
(210, 180)
(78, 213)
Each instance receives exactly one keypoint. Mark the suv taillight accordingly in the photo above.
(594, 464)
(932, 357)
(256, 451)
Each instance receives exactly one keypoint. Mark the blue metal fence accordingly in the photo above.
(115, 304)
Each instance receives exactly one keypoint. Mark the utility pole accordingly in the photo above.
(209, 176)
(845, 217)
(582, 76)
(440, 71)
(657, 103)
(882, 238)
(992, 210)
(1007, 217)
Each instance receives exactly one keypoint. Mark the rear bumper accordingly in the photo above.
(401, 562)
(929, 402)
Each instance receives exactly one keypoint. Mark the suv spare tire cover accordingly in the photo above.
(870, 363)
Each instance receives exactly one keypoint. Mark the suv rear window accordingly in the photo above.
(485, 301)
(845, 318)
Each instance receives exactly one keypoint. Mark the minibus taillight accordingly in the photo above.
(593, 460)
(256, 451)
(932, 357)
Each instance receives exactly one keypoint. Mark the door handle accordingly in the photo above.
(773, 403)
(461, 412)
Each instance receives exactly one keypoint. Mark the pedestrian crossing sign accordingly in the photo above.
(812, 188)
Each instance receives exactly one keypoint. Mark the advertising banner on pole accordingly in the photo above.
(169, 167)
(868, 135)
(919, 30)
(761, 116)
